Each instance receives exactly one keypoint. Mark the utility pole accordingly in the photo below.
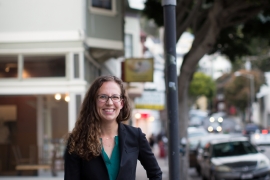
(171, 87)
(252, 92)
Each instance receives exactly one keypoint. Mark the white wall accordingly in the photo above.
(215, 65)
(132, 26)
(41, 15)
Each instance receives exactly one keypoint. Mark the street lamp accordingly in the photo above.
(251, 78)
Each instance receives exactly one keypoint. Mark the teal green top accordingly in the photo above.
(112, 164)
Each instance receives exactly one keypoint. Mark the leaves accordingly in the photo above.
(202, 84)
(154, 10)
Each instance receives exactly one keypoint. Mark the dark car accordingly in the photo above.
(215, 122)
(234, 158)
(193, 143)
(250, 129)
(194, 135)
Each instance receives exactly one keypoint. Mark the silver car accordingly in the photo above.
(232, 159)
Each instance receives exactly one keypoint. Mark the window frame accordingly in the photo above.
(103, 11)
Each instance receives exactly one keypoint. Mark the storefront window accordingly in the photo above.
(8, 66)
(44, 66)
(22, 143)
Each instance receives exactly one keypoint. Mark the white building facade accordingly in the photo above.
(50, 52)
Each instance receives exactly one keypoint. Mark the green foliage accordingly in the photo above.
(154, 10)
(202, 85)
(248, 39)
(234, 41)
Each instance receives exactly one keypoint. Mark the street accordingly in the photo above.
(163, 163)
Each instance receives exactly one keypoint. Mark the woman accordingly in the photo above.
(100, 147)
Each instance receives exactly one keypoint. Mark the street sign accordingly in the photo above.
(150, 100)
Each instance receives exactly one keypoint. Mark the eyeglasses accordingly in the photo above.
(104, 98)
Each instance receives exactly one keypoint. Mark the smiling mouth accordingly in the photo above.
(108, 110)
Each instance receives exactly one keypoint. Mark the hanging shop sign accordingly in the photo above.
(138, 70)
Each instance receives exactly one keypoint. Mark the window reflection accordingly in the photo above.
(8, 67)
(104, 4)
(44, 66)
(128, 45)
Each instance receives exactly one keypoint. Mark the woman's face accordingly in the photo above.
(109, 108)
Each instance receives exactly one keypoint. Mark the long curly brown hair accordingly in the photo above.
(84, 140)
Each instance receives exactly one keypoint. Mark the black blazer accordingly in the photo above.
(133, 146)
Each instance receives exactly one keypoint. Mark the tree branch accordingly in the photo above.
(244, 18)
(242, 5)
(182, 8)
(201, 17)
(241, 16)
(189, 19)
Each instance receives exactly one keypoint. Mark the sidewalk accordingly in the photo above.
(140, 173)
(163, 163)
(164, 166)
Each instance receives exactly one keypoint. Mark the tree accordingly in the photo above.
(217, 25)
(237, 90)
(201, 85)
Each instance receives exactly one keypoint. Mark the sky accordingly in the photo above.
(136, 4)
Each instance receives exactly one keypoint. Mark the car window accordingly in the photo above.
(233, 149)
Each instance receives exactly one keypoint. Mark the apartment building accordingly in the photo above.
(50, 52)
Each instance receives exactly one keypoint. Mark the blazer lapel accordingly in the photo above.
(122, 138)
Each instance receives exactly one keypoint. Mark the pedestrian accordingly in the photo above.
(101, 147)
(161, 145)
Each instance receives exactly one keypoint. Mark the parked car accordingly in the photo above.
(234, 158)
(196, 121)
(198, 150)
(250, 129)
(196, 132)
(260, 137)
(197, 117)
(194, 135)
(193, 151)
